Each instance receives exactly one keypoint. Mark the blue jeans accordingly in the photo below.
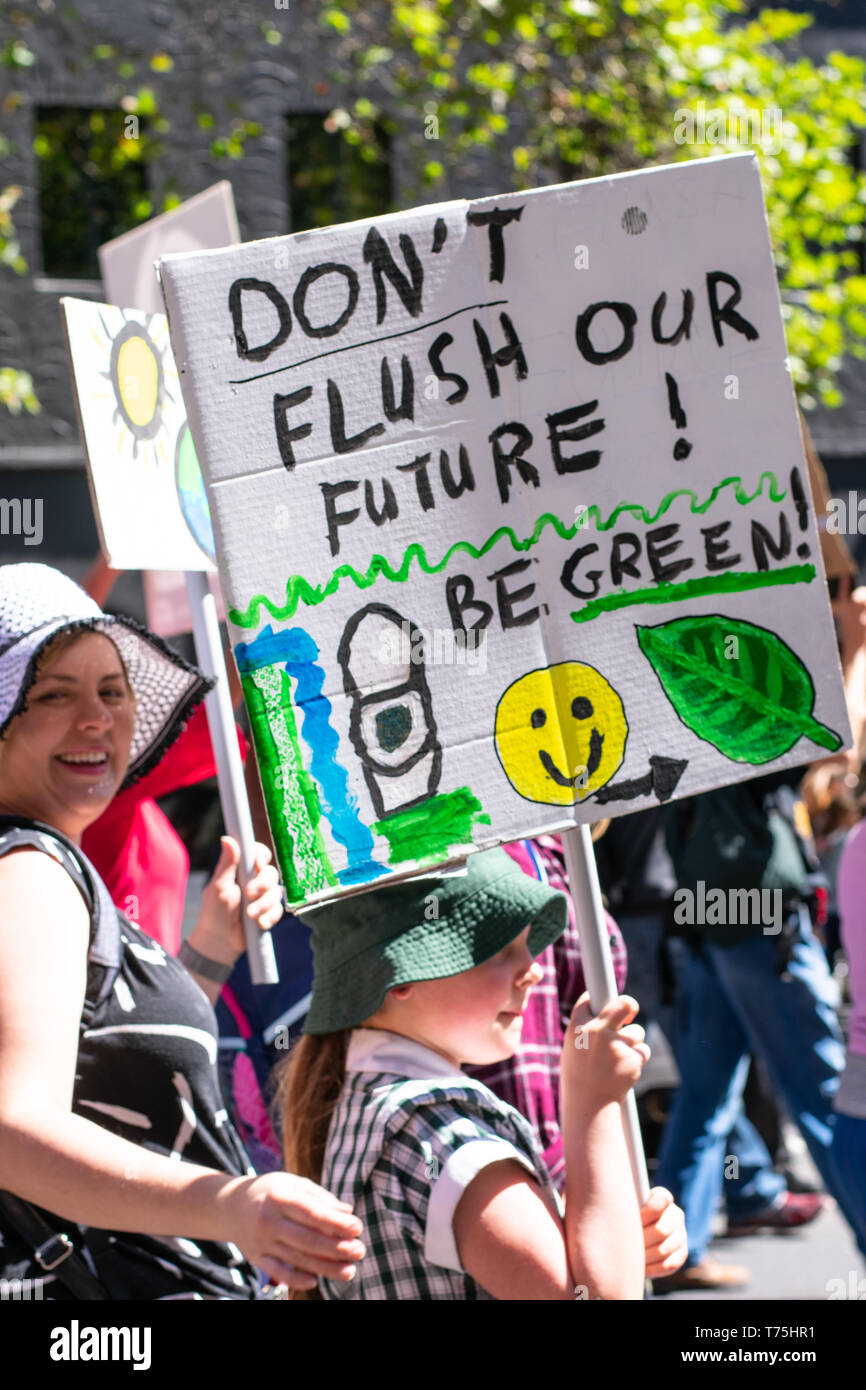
(751, 1184)
(849, 1153)
(642, 933)
(733, 1002)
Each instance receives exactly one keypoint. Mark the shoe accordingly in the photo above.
(706, 1274)
(795, 1184)
(795, 1209)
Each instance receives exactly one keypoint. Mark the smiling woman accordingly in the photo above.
(107, 1044)
(73, 738)
(42, 612)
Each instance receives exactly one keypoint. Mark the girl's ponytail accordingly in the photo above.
(307, 1096)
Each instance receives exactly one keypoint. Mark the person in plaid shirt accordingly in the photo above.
(449, 1182)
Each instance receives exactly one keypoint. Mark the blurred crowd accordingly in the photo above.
(736, 920)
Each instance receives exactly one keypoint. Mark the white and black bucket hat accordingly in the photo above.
(37, 602)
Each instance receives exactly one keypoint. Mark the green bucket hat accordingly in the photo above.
(425, 928)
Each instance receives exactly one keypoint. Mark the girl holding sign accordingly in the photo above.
(112, 1125)
(412, 981)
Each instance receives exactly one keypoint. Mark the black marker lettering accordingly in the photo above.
(762, 542)
(684, 328)
(502, 357)
(624, 564)
(460, 596)
(715, 547)
(406, 409)
(377, 254)
(574, 463)
(466, 481)
(504, 461)
(335, 519)
(285, 435)
(656, 550)
(799, 498)
(236, 309)
(340, 443)
(506, 600)
(627, 317)
(440, 232)
(422, 482)
(677, 414)
(726, 313)
(389, 507)
(434, 357)
(566, 578)
(299, 301)
(494, 221)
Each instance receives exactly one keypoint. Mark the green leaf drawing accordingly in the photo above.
(736, 685)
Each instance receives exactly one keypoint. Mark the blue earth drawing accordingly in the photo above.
(190, 490)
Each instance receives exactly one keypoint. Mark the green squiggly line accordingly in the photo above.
(300, 590)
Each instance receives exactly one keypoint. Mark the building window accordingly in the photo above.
(92, 185)
(827, 14)
(329, 179)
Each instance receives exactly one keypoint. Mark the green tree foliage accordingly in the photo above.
(582, 88)
(510, 93)
(92, 184)
(16, 387)
(77, 150)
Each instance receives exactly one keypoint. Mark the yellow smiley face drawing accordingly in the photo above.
(560, 733)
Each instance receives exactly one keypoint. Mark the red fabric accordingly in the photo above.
(136, 850)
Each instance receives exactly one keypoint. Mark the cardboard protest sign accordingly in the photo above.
(127, 262)
(148, 497)
(511, 514)
(128, 270)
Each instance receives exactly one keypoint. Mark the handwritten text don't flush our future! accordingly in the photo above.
(393, 274)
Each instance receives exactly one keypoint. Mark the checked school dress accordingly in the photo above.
(407, 1137)
(146, 1071)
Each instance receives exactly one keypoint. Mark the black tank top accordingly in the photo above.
(146, 1071)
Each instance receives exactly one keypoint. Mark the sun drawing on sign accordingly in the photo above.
(140, 371)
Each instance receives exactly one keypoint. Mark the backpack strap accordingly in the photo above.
(52, 1250)
(103, 956)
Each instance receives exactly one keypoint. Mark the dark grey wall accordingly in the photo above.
(222, 64)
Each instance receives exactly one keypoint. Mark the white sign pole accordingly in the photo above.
(598, 969)
(230, 773)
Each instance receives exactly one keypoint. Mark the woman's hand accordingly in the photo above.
(293, 1229)
(664, 1234)
(219, 932)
